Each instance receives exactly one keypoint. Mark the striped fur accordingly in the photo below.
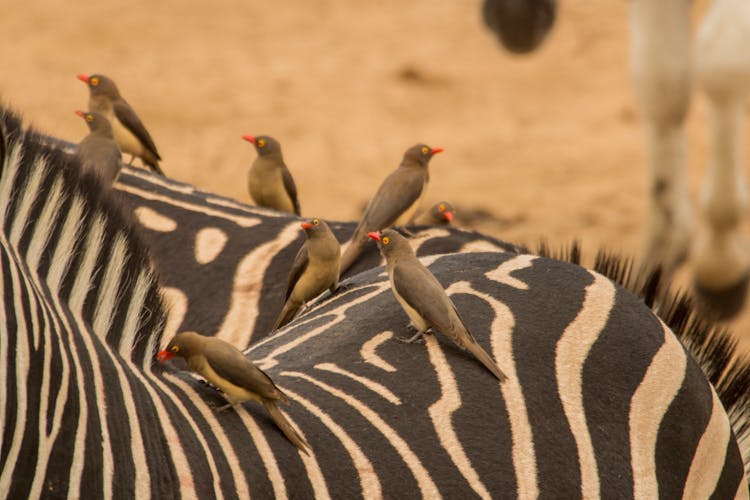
(602, 398)
(202, 243)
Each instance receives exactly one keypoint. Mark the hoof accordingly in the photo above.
(722, 304)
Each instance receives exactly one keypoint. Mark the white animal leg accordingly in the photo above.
(723, 71)
(660, 65)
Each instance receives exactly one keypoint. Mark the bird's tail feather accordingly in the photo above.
(287, 313)
(283, 424)
(486, 360)
(151, 160)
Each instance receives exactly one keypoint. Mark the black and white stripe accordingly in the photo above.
(603, 400)
(222, 261)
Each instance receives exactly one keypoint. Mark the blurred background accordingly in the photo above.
(542, 146)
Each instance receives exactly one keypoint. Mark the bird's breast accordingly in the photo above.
(128, 142)
(408, 214)
(416, 319)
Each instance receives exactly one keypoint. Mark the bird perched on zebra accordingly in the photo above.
(315, 269)
(226, 368)
(439, 214)
(395, 201)
(269, 181)
(128, 130)
(423, 299)
(605, 400)
(98, 151)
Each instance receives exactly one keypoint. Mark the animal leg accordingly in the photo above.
(417, 338)
(722, 262)
(660, 65)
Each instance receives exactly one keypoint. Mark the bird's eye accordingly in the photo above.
(425, 150)
(441, 207)
(89, 118)
(94, 81)
(261, 142)
(316, 222)
(386, 240)
(175, 348)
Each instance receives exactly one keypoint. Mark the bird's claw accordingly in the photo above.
(416, 339)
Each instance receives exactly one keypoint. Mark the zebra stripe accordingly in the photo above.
(602, 399)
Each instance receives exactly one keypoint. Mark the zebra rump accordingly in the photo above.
(603, 399)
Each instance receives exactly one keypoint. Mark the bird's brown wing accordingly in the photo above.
(230, 364)
(298, 267)
(130, 120)
(291, 189)
(424, 293)
(398, 192)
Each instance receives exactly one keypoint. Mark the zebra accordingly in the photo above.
(222, 261)
(662, 71)
(603, 399)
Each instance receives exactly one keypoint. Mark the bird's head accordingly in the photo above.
(420, 154)
(314, 227)
(390, 242)
(183, 344)
(264, 145)
(94, 120)
(100, 85)
(442, 212)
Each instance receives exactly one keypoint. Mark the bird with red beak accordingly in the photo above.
(315, 269)
(226, 368)
(423, 298)
(395, 201)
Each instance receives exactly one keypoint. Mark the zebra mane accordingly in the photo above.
(713, 346)
(59, 225)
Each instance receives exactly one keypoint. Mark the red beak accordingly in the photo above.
(249, 138)
(448, 216)
(437, 150)
(80, 113)
(163, 356)
(306, 225)
(373, 236)
(83, 78)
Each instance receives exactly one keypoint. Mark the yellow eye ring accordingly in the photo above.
(316, 222)
(441, 207)
(175, 348)
(386, 240)
(261, 143)
(425, 150)
(94, 81)
(89, 118)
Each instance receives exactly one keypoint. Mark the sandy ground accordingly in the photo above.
(551, 144)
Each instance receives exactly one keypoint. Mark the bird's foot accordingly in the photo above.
(416, 339)
(223, 408)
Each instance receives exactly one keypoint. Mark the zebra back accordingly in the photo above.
(602, 400)
(57, 220)
(225, 264)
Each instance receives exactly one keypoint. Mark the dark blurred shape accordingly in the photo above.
(520, 25)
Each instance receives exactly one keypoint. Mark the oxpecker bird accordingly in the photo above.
(127, 128)
(98, 151)
(269, 181)
(395, 201)
(315, 269)
(423, 298)
(439, 214)
(226, 368)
